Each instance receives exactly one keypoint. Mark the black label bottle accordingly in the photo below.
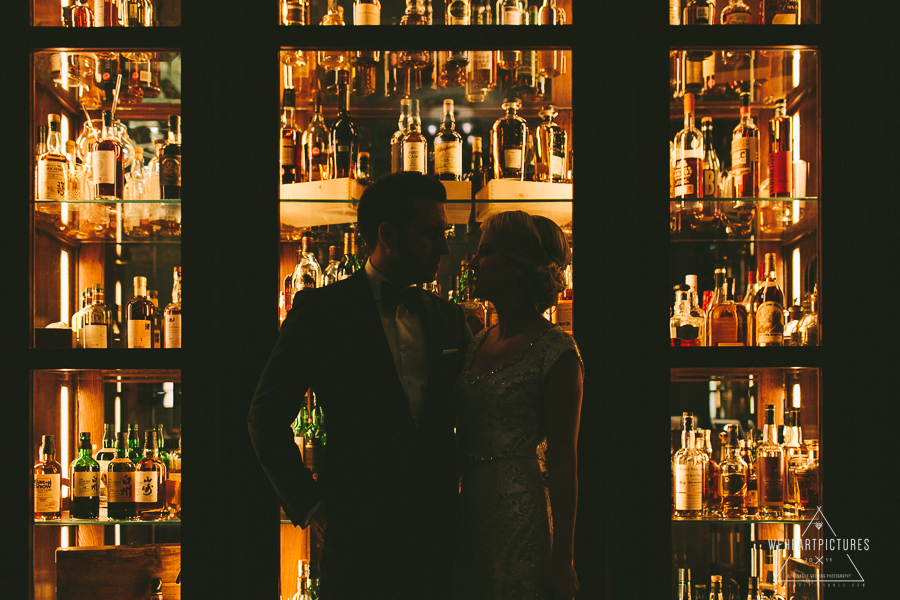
(120, 483)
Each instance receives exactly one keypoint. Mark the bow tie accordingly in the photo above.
(410, 297)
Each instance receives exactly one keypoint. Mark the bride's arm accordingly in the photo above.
(562, 402)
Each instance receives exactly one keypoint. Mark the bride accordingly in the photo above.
(519, 402)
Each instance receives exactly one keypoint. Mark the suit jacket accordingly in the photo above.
(390, 489)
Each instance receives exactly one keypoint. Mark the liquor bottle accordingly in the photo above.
(78, 319)
(688, 155)
(715, 587)
(349, 263)
(106, 163)
(482, 12)
(415, 59)
(796, 312)
(47, 482)
(781, 155)
(84, 474)
(480, 75)
(307, 273)
(733, 476)
(364, 72)
(397, 138)
(793, 457)
(52, 166)
(478, 174)
(134, 13)
(779, 12)
(751, 500)
(509, 12)
(458, 12)
(120, 483)
(290, 139)
(687, 468)
(300, 425)
(139, 317)
(97, 321)
(295, 12)
(770, 469)
(81, 15)
(551, 63)
(302, 581)
(710, 473)
(729, 322)
(161, 444)
(696, 310)
(806, 481)
(40, 148)
(333, 60)
(103, 458)
(170, 162)
(699, 12)
(451, 69)
(150, 478)
(343, 138)
(474, 309)
(685, 329)
(711, 166)
(684, 584)
(367, 12)
(312, 445)
(106, 13)
(172, 314)
(329, 275)
(173, 482)
(413, 145)
(156, 321)
(808, 328)
(364, 169)
(134, 443)
(562, 316)
(448, 147)
(508, 139)
(552, 148)
(745, 154)
(753, 588)
(316, 144)
(749, 303)
(769, 304)
(736, 13)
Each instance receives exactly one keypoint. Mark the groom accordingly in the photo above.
(381, 357)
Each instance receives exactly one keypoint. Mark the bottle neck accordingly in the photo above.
(140, 290)
(53, 143)
(176, 292)
(689, 119)
(687, 439)
(343, 100)
(448, 123)
(287, 117)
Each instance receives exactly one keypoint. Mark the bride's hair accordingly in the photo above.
(539, 244)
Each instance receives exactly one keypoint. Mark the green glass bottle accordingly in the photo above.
(161, 445)
(84, 473)
(120, 483)
(134, 443)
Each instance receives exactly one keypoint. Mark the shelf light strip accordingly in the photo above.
(796, 265)
(64, 286)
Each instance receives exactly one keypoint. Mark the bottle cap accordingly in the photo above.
(688, 103)
(549, 111)
(706, 121)
(289, 98)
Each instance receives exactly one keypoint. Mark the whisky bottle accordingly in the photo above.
(134, 443)
(793, 457)
(349, 263)
(779, 12)
(85, 481)
(781, 155)
(480, 75)
(715, 587)
(415, 59)
(47, 482)
(733, 476)
(685, 329)
(367, 12)
(479, 172)
(173, 482)
(552, 148)
(806, 481)
(808, 328)
(711, 498)
(749, 303)
(290, 139)
(170, 162)
(78, 320)
(139, 316)
(770, 469)
(307, 273)
(52, 166)
(699, 12)
(452, 69)
(172, 314)
(364, 72)
(509, 12)
(458, 12)
(795, 313)
(508, 139)
(736, 13)
(150, 478)
(96, 322)
(295, 12)
(397, 138)
(474, 309)
(329, 275)
(482, 12)
(333, 61)
(688, 155)
(313, 451)
(711, 166)
(120, 483)
(104, 457)
(302, 581)
(106, 163)
(551, 63)
(343, 138)
(562, 316)
(769, 303)
(81, 15)
(448, 147)
(751, 500)
(729, 322)
(684, 584)
(156, 322)
(696, 310)
(413, 145)
(687, 468)
(745, 154)
(316, 144)
(161, 444)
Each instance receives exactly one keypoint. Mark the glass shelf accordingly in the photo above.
(94, 522)
(751, 521)
(116, 201)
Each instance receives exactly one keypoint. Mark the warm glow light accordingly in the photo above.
(118, 529)
(63, 131)
(64, 70)
(169, 398)
(797, 541)
(796, 400)
(795, 275)
(795, 71)
(432, 129)
(64, 213)
(64, 287)
(714, 402)
(795, 135)
(117, 419)
(752, 398)
(795, 211)
(467, 128)
(119, 211)
(119, 300)
(64, 536)
(64, 432)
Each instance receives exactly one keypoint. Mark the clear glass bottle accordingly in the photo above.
(745, 154)
(97, 321)
(84, 475)
(458, 12)
(781, 154)
(770, 469)
(482, 12)
(551, 63)
(688, 155)
(685, 329)
(161, 444)
(173, 483)
(316, 144)
(749, 303)
(729, 322)
(807, 481)
(343, 138)
(397, 138)
(290, 139)
(688, 472)
(448, 147)
(736, 13)
(153, 296)
(779, 12)
(52, 166)
(170, 162)
(47, 482)
(793, 456)
(413, 145)
(480, 75)
(82, 15)
(78, 319)
(139, 316)
(509, 12)
(508, 139)
(333, 59)
(769, 304)
(753, 589)
(367, 12)
(172, 314)
(120, 483)
(452, 66)
(684, 584)
(302, 581)
(751, 500)
(699, 12)
(733, 476)
(808, 328)
(307, 273)
(711, 167)
(150, 481)
(134, 13)
(349, 263)
(104, 457)
(479, 173)
(694, 297)
(295, 12)
(552, 148)
(329, 275)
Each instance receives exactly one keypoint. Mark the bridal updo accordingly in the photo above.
(540, 245)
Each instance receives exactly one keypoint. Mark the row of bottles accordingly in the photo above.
(119, 482)
(760, 319)
(703, 12)
(93, 76)
(310, 436)
(717, 591)
(776, 478)
(109, 13)
(308, 273)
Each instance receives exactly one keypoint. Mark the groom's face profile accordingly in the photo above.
(418, 247)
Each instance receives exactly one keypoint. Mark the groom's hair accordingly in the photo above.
(392, 199)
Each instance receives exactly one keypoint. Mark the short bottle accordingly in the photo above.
(770, 469)
(448, 147)
(552, 148)
(82, 15)
(47, 482)
(508, 140)
(295, 12)
(52, 166)
(728, 323)
(84, 475)
(769, 304)
(808, 328)
(139, 316)
(699, 12)
(685, 329)
(795, 313)
(307, 273)
(414, 146)
(367, 12)
(172, 314)
(150, 480)
(733, 476)
(688, 473)
(120, 483)
(779, 12)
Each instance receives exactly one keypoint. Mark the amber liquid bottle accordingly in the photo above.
(170, 162)
(508, 140)
(729, 322)
(120, 483)
(344, 140)
(150, 480)
(448, 147)
(106, 164)
(47, 482)
(770, 468)
(139, 315)
(781, 156)
(290, 139)
(688, 155)
(769, 305)
(745, 154)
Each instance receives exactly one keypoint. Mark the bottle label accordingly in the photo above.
(709, 183)
(173, 331)
(140, 334)
(458, 20)
(55, 63)
(688, 487)
(563, 316)
(512, 158)
(687, 175)
(701, 15)
(511, 16)
(104, 466)
(484, 60)
(366, 14)
(771, 480)
(47, 496)
(744, 153)
(146, 487)
(780, 171)
(557, 167)
(785, 19)
(170, 171)
(51, 180)
(95, 336)
(85, 484)
(769, 323)
(448, 157)
(143, 72)
(733, 484)
(738, 18)
(694, 76)
(120, 487)
(288, 154)
(103, 163)
(414, 156)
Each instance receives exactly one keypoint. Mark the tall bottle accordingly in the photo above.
(807, 481)
(397, 138)
(104, 457)
(479, 173)
(711, 166)
(770, 469)
(552, 148)
(684, 584)
(52, 166)
(139, 317)
(47, 482)
(688, 156)
(120, 483)
(97, 321)
(106, 163)
(349, 263)
(170, 162)
(329, 275)
(751, 500)
(84, 475)
(733, 476)
(415, 59)
(413, 145)
(779, 12)
(793, 458)
(343, 138)
(316, 144)
(156, 322)
(173, 482)
(367, 12)
(448, 147)
(769, 307)
(508, 139)
(290, 139)
(749, 303)
(745, 154)
(729, 322)
(307, 273)
(150, 479)
(688, 467)
(172, 314)
(781, 154)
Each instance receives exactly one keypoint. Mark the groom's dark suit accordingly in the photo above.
(389, 489)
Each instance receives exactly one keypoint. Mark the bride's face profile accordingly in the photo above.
(495, 273)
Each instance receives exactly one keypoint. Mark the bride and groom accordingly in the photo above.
(413, 402)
